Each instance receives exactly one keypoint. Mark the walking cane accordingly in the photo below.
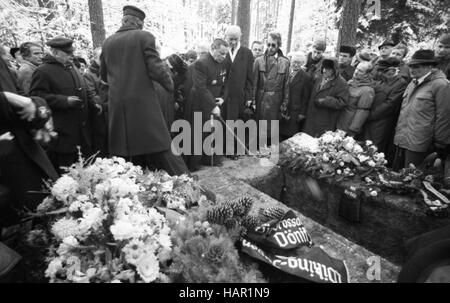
(212, 151)
(234, 135)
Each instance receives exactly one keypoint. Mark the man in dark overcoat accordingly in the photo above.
(206, 96)
(380, 126)
(329, 97)
(300, 86)
(239, 64)
(129, 65)
(71, 102)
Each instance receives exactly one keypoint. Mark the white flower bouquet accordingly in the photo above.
(104, 226)
(336, 156)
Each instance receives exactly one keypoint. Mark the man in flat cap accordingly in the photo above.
(442, 52)
(346, 54)
(380, 126)
(71, 102)
(424, 125)
(315, 57)
(129, 65)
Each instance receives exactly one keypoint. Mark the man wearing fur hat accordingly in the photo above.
(129, 65)
(424, 124)
(346, 54)
(442, 52)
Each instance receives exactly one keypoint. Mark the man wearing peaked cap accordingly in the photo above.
(130, 64)
(71, 101)
(130, 10)
(63, 44)
(346, 54)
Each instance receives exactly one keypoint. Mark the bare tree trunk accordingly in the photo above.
(349, 23)
(277, 11)
(185, 27)
(258, 22)
(97, 22)
(243, 20)
(233, 12)
(291, 25)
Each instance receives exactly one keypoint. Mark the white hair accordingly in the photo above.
(233, 30)
(298, 56)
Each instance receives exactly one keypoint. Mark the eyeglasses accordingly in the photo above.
(272, 45)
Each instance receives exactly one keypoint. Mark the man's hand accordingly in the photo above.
(99, 109)
(300, 118)
(219, 101)
(28, 111)
(216, 111)
(74, 101)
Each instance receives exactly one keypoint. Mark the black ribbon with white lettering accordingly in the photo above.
(287, 246)
(288, 233)
(312, 264)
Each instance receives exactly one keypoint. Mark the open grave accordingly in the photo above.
(386, 221)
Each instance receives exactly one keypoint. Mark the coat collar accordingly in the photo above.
(125, 28)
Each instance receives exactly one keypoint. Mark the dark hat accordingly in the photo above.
(423, 56)
(133, 11)
(348, 49)
(384, 64)
(363, 56)
(62, 43)
(320, 45)
(177, 63)
(329, 63)
(387, 42)
(13, 51)
(445, 39)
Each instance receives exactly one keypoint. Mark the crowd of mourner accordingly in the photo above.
(54, 105)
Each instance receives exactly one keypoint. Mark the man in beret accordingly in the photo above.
(424, 125)
(72, 103)
(385, 109)
(129, 65)
(313, 64)
(346, 54)
(442, 52)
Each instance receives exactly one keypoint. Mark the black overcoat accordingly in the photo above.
(299, 93)
(380, 126)
(130, 64)
(54, 82)
(239, 84)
